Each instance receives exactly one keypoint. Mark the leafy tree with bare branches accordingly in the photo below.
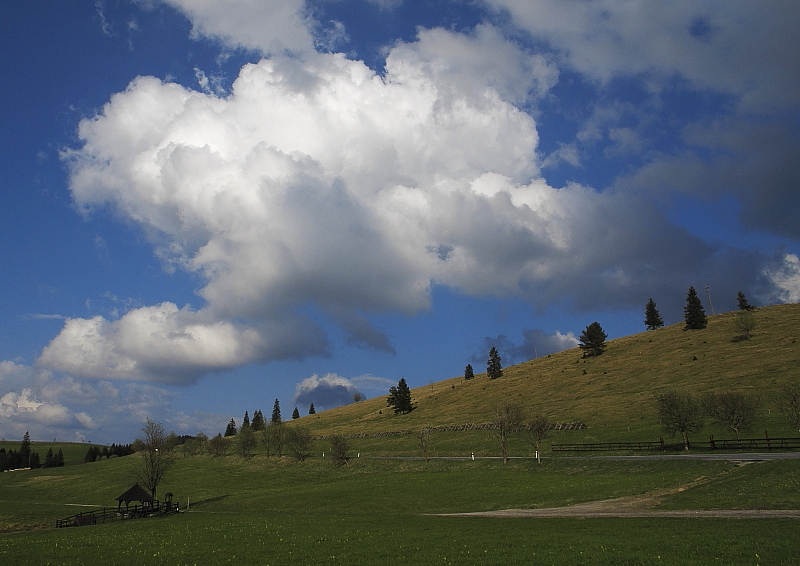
(155, 458)
(538, 429)
(299, 440)
(789, 404)
(507, 419)
(218, 446)
(679, 412)
(424, 437)
(339, 447)
(732, 409)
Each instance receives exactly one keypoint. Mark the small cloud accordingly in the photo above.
(535, 343)
(329, 391)
(37, 316)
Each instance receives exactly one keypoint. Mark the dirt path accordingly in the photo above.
(635, 506)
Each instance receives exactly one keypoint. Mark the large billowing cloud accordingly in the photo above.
(317, 182)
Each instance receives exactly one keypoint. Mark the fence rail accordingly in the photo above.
(108, 514)
(455, 428)
(608, 446)
(765, 443)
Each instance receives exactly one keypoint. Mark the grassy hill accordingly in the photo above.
(611, 394)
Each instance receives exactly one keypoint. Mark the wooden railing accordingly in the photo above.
(107, 514)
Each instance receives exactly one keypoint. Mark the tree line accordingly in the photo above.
(25, 457)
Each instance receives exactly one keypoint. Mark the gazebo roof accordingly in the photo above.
(136, 493)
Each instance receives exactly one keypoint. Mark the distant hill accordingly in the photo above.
(612, 393)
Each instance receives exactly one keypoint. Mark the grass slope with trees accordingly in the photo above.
(613, 394)
(270, 510)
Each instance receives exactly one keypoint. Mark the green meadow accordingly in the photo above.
(281, 511)
(269, 510)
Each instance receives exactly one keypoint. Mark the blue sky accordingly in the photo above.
(208, 205)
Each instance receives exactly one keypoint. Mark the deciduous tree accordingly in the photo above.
(155, 460)
(745, 322)
(274, 439)
(538, 429)
(732, 409)
(247, 441)
(789, 404)
(679, 412)
(507, 419)
(339, 447)
(299, 439)
(424, 437)
(218, 445)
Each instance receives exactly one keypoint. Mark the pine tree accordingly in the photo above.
(468, 373)
(48, 459)
(593, 340)
(693, 312)
(295, 413)
(742, 302)
(652, 318)
(276, 413)
(493, 367)
(258, 421)
(312, 410)
(400, 398)
(246, 420)
(25, 450)
(59, 458)
(230, 430)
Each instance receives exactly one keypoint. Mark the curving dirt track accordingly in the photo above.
(638, 506)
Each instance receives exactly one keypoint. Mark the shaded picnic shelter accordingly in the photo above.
(135, 493)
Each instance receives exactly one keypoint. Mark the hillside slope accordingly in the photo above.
(613, 391)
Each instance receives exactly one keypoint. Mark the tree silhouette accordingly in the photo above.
(741, 300)
(593, 340)
(230, 430)
(276, 413)
(652, 318)
(400, 398)
(693, 312)
(468, 372)
(155, 459)
(493, 367)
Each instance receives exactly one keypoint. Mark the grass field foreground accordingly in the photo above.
(280, 511)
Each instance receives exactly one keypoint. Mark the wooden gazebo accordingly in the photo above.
(136, 493)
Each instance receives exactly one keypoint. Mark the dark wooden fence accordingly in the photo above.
(608, 446)
(765, 443)
(107, 514)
